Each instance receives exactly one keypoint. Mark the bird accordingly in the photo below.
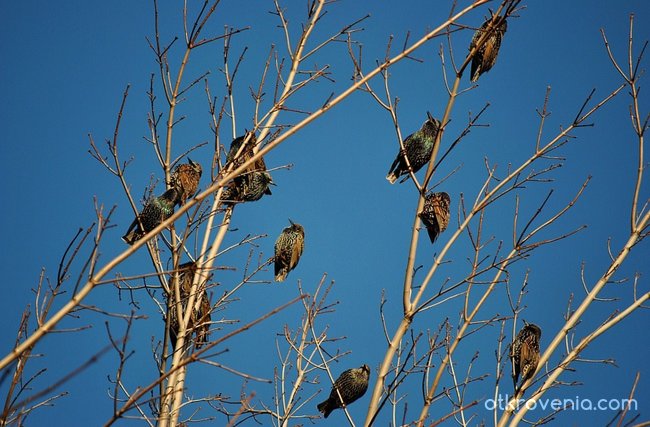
(249, 187)
(417, 147)
(288, 249)
(199, 321)
(435, 213)
(524, 353)
(486, 55)
(351, 385)
(155, 211)
(185, 179)
(246, 153)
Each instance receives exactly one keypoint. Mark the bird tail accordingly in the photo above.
(325, 408)
(281, 275)
(433, 234)
(132, 234)
(476, 72)
(391, 177)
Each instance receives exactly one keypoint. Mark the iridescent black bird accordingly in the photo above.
(249, 187)
(486, 55)
(351, 385)
(199, 321)
(254, 181)
(155, 211)
(185, 179)
(435, 213)
(418, 147)
(288, 249)
(524, 353)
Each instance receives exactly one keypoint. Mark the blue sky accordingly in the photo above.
(67, 64)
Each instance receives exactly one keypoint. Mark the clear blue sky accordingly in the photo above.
(66, 64)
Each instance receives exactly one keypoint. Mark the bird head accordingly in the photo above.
(196, 166)
(536, 330)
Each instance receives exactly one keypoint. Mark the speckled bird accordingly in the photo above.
(288, 249)
(435, 213)
(486, 55)
(418, 147)
(524, 353)
(249, 187)
(199, 321)
(155, 211)
(246, 153)
(351, 385)
(185, 179)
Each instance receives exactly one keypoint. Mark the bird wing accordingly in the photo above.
(296, 252)
(529, 357)
(441, 211)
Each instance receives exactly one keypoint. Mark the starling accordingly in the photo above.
(246, 153)
(199, 320)
(435, 213)
(185, 179)
(486, 55)
(288, 249)
(418, 147)
(351, 385)
(249, 187)
(155, 211)
(524, 353)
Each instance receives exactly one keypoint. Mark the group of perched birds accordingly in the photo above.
(183, 183)
(255, 181)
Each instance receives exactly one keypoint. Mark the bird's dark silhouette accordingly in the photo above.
(351, 385)
(417, 148)
(288, 249)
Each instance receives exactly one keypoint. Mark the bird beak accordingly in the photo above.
(429, 116)
(190, 160)
(291, 221)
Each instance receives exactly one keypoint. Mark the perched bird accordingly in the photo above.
(524, 353)
(199, 321)
(246, 152)
(288, 248)
(185, 179)
(351, 385)
(249, 187)
(486, 55)
(435, 213)
(417, 147)
(155, 211)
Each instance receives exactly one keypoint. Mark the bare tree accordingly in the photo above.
(184, 286)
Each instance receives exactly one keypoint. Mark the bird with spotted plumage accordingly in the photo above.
(435, 213)
(199, 321)
(350, 385)
(248, 187)
(288, 249)
(155, 211)
(486, 54)
(524, 353)
(185, 179)
(252, 183)
(417, 148)
(248, 141)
